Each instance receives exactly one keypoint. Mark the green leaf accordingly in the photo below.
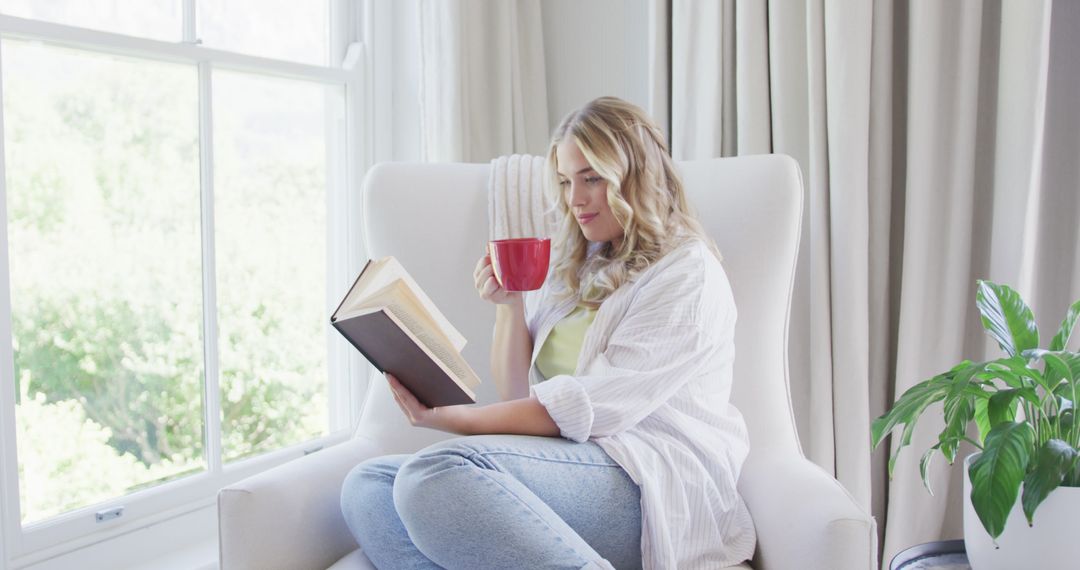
(962, 379)
(956, 384)
(1064, 391)
(1013, 370)
(905, 439)
(982, 417)
(1046, 432)
(1017, 364)
(1056, 458)
(1060, 366)
(924, 467)
(1061, 339)
(959, 367)
(1006, 317)
(908, 407)
(1002, 407)
(997, 473)
(1066, 416)
(1072, 478)
(958, 413)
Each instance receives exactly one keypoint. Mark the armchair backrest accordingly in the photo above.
(752, 207)
(433, 218)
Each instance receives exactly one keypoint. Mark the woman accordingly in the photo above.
(626, 353)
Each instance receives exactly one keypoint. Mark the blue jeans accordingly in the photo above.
(495, 501)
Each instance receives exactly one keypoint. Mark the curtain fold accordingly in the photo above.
(1022, 75)
(847, 50)
(752, 118)
(698, 77)
(936, 282)
(887, 154)
(939, 146)
(482, 81)
(659, 65)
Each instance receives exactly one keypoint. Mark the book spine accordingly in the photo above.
(333, 317)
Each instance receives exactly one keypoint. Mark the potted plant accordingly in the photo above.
(1019, 410)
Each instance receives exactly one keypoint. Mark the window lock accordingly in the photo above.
(109, 514)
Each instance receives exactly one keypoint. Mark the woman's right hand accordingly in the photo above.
(488, 287)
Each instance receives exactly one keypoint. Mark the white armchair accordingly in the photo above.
(289, 517)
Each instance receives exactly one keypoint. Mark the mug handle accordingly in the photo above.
(494, 264)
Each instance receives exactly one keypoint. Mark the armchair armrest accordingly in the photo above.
(804, 517)
(290, 516)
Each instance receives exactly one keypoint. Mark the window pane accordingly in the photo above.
(280, 29)
(104, 246)
(271, 176)
(155, 19)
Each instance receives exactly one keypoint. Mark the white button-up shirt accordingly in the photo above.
(652, 388)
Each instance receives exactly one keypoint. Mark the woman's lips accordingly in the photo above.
(586, 218)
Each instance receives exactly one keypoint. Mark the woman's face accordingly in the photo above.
(585, 193)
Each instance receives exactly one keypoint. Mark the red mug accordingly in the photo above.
(520, 264)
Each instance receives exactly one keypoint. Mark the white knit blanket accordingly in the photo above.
(518, 205)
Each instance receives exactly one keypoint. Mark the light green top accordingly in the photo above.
(561, 349)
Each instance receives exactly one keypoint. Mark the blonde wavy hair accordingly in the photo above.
(645, 193)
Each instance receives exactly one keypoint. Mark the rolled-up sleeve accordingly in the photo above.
(639, 371)
(568, 404)
(671, 335)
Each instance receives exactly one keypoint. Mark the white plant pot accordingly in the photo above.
(1051, 543)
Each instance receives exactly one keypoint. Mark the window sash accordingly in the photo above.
(72, 530)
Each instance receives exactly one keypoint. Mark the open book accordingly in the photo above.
(394, 324)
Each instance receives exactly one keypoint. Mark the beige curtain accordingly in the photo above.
(482, 85)
(938, 145)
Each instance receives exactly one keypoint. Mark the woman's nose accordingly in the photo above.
(577, 195)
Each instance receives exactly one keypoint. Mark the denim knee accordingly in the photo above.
(426, 486)
(365, 492)
(429, 476)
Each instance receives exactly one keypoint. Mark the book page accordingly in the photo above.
(396, 293)
(380, 274)
(438, 345)
(456, 338)
(371, 279)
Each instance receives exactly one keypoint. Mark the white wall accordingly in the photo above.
(594, 48)
(591, 48)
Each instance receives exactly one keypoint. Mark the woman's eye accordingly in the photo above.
(564, 183)
(593, 179)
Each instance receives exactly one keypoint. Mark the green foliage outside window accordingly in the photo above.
(106, 282)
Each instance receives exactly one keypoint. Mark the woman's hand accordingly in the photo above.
(489, 287)
(524, 416)
(453, 419)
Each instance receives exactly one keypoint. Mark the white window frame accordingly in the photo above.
(347, 373)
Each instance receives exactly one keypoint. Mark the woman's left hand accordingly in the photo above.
(451, 419)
